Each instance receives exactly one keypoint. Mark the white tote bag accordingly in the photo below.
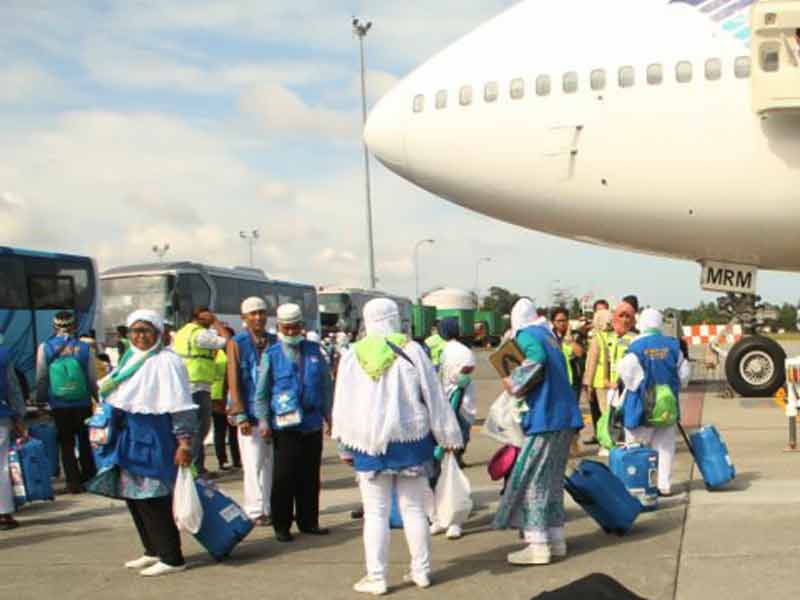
(453, 500)
(503, 421)
(186, 507)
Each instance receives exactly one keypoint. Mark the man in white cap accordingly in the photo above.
(244, 354)
(389, 417)
(653, 371)
(293, 400)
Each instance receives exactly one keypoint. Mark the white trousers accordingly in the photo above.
(376, 494)
(257, 463)
(6, 492)
(661, 439)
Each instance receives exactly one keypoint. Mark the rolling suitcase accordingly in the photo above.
(603, 496)
(710, 455)
(224, 523)
(48, 435)
(30, 460)
(637, 468)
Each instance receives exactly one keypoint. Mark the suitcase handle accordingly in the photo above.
(686, 439)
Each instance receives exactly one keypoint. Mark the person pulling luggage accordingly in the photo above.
(653, 371)
(12, 410)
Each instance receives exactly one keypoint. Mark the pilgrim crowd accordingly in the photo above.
(395, 408)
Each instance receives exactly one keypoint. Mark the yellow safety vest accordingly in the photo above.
(566, 350)
(199, 361)
(220, 368)
(436, 344)
(614, 347)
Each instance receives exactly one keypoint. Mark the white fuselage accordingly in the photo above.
(677, 169)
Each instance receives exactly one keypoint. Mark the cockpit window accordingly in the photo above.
(465, 95)
(490, 92)
(419, 103)
(598, 79)
(570, 82)
(683, 71)
(517, 90)
(655, 74)
(441, 99)
(713, 69)
(543, 85)
(627, 77)
(741, 67)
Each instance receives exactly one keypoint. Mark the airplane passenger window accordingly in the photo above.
(419, 103)
(543, 85)
(570, 82)
(490, 92)
(441, 99)
(627, 77)
(683, 72)
(655, 74)
(598, 79)
(517, 89)
(770, 57)
(713, 69)
(465, 95)
(741, 67)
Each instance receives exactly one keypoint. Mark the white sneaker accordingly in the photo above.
(558, 549)
(371, 585)
(532, 554)
(603, 452)
(421, 581)
(454, 532)
(142, 562)
(161, 568)
(436, 529)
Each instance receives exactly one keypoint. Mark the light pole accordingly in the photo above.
(416, 263)
(477, 272)
(160, 251)
(360, 30)
(251, 237)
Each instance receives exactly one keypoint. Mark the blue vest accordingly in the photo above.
(551, 403)
(249, 363)
(51, 350)
(5, 403)
(284, 376)
(144, 445)
(659, 356)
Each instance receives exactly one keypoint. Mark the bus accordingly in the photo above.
(341, 309)
(34, 286)
(174, 289)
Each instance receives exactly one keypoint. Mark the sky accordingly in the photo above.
(132, 123)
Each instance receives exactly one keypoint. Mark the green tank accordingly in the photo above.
(422, 320)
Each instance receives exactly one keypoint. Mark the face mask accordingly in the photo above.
(463, 380)
(291, 340)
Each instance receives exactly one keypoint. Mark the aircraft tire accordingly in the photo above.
(755, 366)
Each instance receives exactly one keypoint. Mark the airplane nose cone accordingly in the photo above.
(384, 134)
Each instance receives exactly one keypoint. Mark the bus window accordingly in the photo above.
(13, 291)
(229, 297)
(79, 272)
(194, 291)
(52, 292)
(123, 295)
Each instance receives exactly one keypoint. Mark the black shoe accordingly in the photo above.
(357, 514)
(9, 524)
(316, 531)
(284, 536)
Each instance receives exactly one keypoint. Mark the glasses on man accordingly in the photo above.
(142, 331)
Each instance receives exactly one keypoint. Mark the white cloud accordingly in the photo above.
(27, 82)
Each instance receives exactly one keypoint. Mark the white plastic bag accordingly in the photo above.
(503, 421)
(186, 507)
(453, 501)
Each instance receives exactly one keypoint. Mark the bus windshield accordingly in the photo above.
(123, 295)
(334, 303)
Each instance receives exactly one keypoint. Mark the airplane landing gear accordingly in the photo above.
(754, 366)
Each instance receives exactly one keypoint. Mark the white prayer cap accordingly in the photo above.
(148, 316)
(523, 315)
(313, 336)
(289, 314)
(381, 317)
(253, 304)
(651, 319)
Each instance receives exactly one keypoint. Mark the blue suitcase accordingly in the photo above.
(30, 460)
(48, 435)
(710, 454)
(224, 523)
(603, 496)
(637, 468)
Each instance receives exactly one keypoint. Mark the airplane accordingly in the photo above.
(669, 128)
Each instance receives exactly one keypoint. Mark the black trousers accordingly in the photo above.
(156, 527)
(594, 408)
(296, 480)
(70, 423)
(223, 429)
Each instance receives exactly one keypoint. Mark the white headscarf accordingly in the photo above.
(523, 315)
(381, 317)
(313, 336)
(455, 357)
(161, 385)
(651, 319)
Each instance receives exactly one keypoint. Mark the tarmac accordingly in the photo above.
(736, 543)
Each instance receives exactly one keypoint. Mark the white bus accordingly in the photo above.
(175, 289)
(341, 309)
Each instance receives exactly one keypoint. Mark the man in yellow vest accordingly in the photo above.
(197, 342)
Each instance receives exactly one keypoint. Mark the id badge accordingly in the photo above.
(290, 419)
(99, 435)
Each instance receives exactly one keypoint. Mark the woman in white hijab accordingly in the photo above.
(388, 416)
(141, 432)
